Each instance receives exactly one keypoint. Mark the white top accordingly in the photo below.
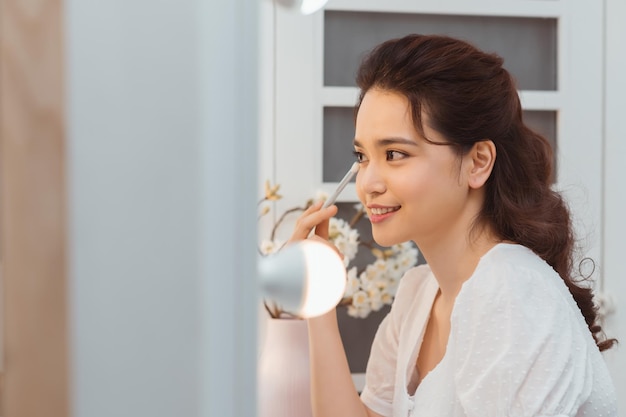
(518, 346)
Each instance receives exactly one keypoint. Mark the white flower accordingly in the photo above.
(359, 312)
(386, 297)
(377, 284)
(353, 283)
(377, 270)
(376, 301)
(406, 254)
(392, 285)
(605, 304)
(360, 299)
(268, 247)
(345, 238)
(360, 306)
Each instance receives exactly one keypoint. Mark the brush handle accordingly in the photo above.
(346, 179)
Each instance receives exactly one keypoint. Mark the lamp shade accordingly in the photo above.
(307, 278)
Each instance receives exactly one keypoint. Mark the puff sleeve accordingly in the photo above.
(395, 341)
(378, 392)
(521, 347)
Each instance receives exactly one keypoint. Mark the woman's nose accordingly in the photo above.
(370, 179)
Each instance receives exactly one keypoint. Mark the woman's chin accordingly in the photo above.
(385, 240)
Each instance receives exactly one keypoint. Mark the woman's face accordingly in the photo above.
(412, 189)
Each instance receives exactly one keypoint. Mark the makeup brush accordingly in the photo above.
(346, 179)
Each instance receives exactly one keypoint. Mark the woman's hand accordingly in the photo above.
(315, 218)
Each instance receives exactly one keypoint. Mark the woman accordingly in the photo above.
(496, 323)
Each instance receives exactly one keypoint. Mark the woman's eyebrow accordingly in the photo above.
(388, 141)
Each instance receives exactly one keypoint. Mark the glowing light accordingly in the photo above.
(307, 279)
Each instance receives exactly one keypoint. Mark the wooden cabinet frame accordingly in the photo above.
(33, 210)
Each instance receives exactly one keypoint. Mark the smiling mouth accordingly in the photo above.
(380, 211)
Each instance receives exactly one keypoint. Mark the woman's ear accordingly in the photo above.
(483, 156)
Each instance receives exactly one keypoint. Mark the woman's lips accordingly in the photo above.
(379, 214)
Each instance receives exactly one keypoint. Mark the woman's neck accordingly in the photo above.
(454, 260)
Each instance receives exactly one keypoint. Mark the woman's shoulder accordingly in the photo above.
(517, 330)
(513, 286)
(514, 270)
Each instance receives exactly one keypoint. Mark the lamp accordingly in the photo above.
(307, 278)
(306, 6)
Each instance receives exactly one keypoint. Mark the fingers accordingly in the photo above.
(321, 229)
(313, 217)
(316, 218)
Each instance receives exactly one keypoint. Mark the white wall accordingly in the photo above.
(162, 173)
(614, 267)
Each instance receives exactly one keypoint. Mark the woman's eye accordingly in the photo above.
(359, 156)
(394, 155)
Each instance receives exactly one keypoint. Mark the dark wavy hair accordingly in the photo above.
(470, 97)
